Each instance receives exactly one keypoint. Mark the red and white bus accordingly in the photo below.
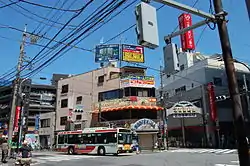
(99, 141)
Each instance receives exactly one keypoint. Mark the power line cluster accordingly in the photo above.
(88, 26)
(104, 13)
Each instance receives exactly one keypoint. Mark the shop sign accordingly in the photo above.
(144, 124)
(138, 81)
(145, 101)
(184, 109)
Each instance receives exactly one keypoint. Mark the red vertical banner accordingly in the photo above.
(17, 116)
(187, 39)
(212, 105)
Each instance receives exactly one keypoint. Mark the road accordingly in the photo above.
(171, 158)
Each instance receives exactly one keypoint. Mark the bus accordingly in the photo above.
(100, 140)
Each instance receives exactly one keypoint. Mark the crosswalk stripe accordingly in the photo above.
(221, 151)
(203, 151)
(225, 165)
(230, 151)
(215, 151)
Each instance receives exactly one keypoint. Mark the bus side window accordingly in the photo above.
(101, 138)
(111, 137)
(93, 138)
(85, 139)
(60, 139)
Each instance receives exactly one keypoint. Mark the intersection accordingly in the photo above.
(179, 157)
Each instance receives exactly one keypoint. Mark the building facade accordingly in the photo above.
(131, 105)
(47, 129)
(76, 95)
(109, 96)
(38, 99)
(190, 83)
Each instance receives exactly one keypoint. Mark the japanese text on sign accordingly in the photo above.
(131, 53)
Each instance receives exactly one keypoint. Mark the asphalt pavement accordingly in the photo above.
(166, 158)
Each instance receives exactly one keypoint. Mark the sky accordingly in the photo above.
(77, 61)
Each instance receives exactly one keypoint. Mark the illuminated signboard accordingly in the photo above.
(138, 81)
(132, 53)
(107, 53)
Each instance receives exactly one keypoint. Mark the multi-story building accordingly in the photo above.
(109, 96)
(132, 105)
(41, 100)
(188, 80)
(76, 95)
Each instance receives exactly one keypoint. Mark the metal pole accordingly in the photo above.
(247, 98)
(204, 113)
(162, 112)
(239, 125)
(15, 89)
(186, 8)
(184, 30)
(248, 7)
(183, 132)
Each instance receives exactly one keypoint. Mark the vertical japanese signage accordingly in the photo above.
(37, 122)
(17, 116)
(187, 39)
(212, 105)
(132, 53)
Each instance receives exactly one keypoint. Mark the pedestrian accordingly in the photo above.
(25, 154)
(5, 149)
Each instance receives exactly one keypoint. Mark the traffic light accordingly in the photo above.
(146, 25)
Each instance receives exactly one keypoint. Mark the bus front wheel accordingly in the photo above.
(71, 150)
(101, 151)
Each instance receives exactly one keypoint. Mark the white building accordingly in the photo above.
(186, 80)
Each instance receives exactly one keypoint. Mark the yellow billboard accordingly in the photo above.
(132, 53)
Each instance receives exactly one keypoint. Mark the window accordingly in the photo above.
(142, 92)
(61, 139)
(78, 117)
(75, 139)
(89, 138)
(181, 89)
(45, 123)
(217, 81)
(100, 80)
(78, 126)
(108, 95)
(79, 100)
(64, 103)
(105, 138)
(65, 88)
(63, 120)
(114, 75)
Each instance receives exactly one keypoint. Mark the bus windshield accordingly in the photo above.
(124, 138)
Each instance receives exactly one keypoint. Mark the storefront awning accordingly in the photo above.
(131, 107)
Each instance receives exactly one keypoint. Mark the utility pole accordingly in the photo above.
(16, 87)
(239, 124)
(247, 97)
(248, 7)
(247, 102)
(163, 113)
